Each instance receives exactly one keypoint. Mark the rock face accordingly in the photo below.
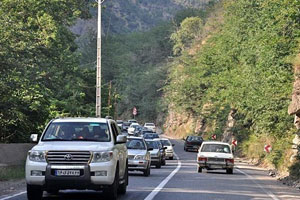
(228, 134)
(294, 108)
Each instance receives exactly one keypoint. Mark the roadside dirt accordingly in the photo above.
(12, 186)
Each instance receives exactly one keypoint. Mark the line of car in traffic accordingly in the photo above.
(145, 147)
(212, 155)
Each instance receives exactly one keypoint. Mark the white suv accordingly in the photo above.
(78, 153)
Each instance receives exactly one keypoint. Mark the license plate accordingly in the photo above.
(67, 172)
(215, 166)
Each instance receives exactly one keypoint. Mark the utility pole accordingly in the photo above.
(98, 78)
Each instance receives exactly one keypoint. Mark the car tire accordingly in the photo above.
(34, 192)
(158, 165)
(171, 158)
(199, 169)
(123, 187)
(147, 171)
(229, 171)
(112, 191)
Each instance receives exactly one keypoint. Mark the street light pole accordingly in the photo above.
(98, 78)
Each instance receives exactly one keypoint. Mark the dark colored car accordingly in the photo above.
(151, 136)
(125, 126)
(192, 143)
(162, 151)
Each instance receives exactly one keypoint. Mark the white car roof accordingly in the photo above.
(214, 142)
(81, 119)
(163, 139)
(133, 137)
(133, 124)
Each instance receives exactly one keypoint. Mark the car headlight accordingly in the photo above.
(37, 156)
(102, 156)
(140, 157)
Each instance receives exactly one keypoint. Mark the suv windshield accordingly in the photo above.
(77, 131)
(218, 148)
(135, 144)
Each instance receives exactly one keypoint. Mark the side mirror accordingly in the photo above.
(121, 139)
(183, 138)
(149, 149)
(34, 138)
(173, 145)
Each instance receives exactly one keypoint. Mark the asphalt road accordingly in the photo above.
(178, 180)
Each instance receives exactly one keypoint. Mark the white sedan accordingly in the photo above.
(215, 155)
(150, 126)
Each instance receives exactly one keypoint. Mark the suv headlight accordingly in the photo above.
(102, 156)
(37, 156)
(140, 157)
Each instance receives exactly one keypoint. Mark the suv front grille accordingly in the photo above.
(68, 157)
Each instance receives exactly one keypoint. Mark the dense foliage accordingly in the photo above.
(244, 64)
(40, 78)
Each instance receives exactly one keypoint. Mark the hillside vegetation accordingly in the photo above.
(239, 59)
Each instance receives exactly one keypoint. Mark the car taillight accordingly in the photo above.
(202, 159)
(230, 161)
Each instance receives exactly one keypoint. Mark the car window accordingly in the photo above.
(135, 144)
(149, 124)
(74, 131)
(217, 148)
(115, 130)
(194, 138)
(166, 142)
(152, 144)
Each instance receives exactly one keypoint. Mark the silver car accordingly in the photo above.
(138, 155)
(156, 155)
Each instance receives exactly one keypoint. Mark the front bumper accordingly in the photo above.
(155, 160)
(137, 165)
(169, 155)
(86, 180)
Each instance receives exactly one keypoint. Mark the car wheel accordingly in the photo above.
(171, 158)
(229, 171)
(158, 165)
(147, 171)
(34, 192)
(112, 191)
(199, 169)
(123, 187)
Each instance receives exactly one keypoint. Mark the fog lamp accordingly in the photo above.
(36, 173)
(100, 173)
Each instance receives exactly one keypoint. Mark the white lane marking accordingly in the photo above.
(12, 196)
(164, 182)
(261, 187)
